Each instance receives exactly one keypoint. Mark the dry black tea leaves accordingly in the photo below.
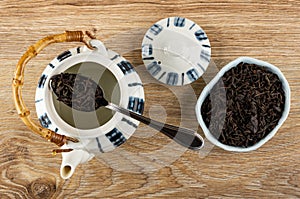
(77, 91)
(244, 106)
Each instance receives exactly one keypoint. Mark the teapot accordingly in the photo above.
(81, 135)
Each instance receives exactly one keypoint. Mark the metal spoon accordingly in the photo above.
(83, 94)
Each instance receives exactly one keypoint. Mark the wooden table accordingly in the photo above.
(267, 30)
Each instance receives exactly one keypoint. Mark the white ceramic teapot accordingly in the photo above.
(122, 86)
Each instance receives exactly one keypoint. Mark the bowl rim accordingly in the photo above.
(209, 86)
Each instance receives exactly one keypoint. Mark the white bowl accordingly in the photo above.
(117, 129)
(209, 86)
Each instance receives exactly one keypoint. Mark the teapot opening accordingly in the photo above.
(94, 119)
(67, 171)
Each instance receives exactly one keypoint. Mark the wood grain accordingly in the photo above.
(267, 30)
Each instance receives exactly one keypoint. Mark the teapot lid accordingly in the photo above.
(176, 51)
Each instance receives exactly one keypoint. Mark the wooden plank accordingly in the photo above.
(268, 30)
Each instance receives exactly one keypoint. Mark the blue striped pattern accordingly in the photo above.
(135, 84)
(115, 57)
(147, 49)
(129, 122)
(115, 137)
(201, 67)
(172, 78)
(136, 104)
(179, 21)
(126, 67)
(156, 29)
(44, 120)
(205, 55)
(154, 68)
(200, 35)
(64, 55)
(42, 81)
(51, 65)
(192, 75)
(99, 145)
(39, 100)
(192, 26)
(206, 46)
(161, 76)
(78, 50)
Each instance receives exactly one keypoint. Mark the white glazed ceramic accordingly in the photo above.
(176, 51)
(209, 86)
(103, 138)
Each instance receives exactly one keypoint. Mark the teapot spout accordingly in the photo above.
(71, 160)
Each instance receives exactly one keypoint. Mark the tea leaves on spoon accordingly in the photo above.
(77, 91)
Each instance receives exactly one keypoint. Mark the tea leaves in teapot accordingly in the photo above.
(252, 107)
(77, 91)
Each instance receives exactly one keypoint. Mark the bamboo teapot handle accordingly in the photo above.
(18, 81)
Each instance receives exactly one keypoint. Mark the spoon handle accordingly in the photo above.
(182, 136)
